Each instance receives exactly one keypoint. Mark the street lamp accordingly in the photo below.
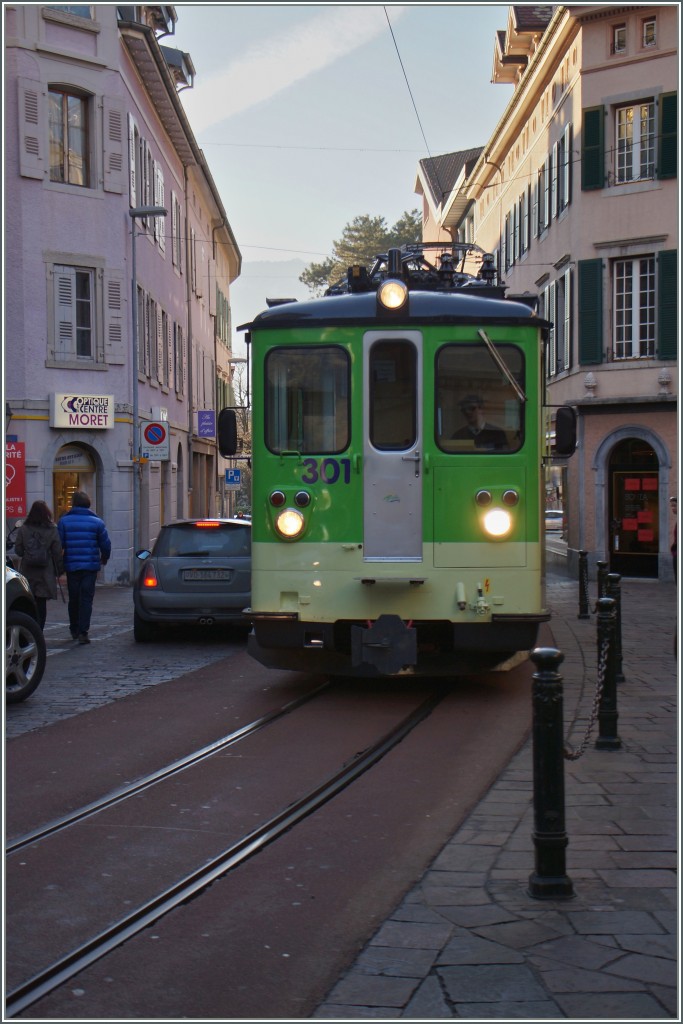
(135, 213)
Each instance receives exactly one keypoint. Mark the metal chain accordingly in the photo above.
(574, 755)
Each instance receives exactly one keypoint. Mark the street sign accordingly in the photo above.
(155, 441)
(233, 479)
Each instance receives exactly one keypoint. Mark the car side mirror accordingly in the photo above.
(227, 432)
(565, 431)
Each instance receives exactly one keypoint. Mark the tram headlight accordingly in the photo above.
(497, 522)
(392, 294)
(289, 523)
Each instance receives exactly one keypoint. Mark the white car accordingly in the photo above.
(554, 519)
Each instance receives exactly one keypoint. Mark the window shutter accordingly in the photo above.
(132, 177)
(551, 315)
(546, 192)
(32, 131)
(65, 312)
(534, 216)
(212, 286)
(112, 112)
(590, 311)
(161, 221)
(593, 148)
(567, 319)
(160, 343)
(554, 182)
(568, 164)
(169, 351)
(667, 304)
(114, 334)
(667, 155)
(174, 229)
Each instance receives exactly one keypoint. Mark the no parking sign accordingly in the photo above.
(155, 442)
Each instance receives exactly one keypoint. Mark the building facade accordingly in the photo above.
(117, 317)
(576, 191)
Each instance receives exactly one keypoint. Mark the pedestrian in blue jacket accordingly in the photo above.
(87, 548)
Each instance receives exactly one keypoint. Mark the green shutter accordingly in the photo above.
(667, 151)
(667, 304)
(593, 148)
(590, 311)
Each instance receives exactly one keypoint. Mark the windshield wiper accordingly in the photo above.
(502, 365)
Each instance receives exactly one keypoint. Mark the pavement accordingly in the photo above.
(469, 941)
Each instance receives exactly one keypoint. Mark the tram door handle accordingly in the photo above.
(416, 458)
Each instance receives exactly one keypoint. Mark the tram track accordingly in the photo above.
(193, 883)
(147, 781)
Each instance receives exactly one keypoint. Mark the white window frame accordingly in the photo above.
(645, 24)
(630, 341)
(619, 38)
(637, 152)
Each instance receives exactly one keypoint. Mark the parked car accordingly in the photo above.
(554, 519)
(25, 653)
(197, 573)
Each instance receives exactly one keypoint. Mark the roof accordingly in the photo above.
(442, 172)
(532, 18)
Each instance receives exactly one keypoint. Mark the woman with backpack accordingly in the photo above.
(40, 549)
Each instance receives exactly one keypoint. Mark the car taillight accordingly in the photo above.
(149, 577)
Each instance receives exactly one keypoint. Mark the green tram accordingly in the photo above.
(398, 442)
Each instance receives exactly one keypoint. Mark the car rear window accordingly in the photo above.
(222, 541)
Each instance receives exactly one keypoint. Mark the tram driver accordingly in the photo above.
(476, 429)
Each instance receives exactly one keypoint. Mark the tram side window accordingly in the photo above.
(477, 408)
(306, 398)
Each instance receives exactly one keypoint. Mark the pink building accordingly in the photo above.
(95, 133)
(576, 192)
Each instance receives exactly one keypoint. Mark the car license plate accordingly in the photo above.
(206, 574)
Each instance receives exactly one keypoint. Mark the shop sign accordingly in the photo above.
(88, 412)
(206, 423)
(15, 479)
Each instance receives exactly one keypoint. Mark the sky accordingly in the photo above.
(310, 115)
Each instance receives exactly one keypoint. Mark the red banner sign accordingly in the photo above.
(15, 479)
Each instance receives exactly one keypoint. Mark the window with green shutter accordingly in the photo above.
(667, 152)
(667, 304)
(593, 148)
(590, 311)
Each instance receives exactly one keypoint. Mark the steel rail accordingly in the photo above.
(84, 956)
(133, 788)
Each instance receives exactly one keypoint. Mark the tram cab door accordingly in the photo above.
(393, 456)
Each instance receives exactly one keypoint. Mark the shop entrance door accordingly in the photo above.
(634, 510)
(73, 470)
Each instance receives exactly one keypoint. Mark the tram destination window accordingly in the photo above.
(306, 399)
(478, 411)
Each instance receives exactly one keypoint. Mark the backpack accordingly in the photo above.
(35, 551)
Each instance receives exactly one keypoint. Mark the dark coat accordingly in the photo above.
(43, 580)
(85, 540)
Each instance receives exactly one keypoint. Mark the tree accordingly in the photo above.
(362, 239)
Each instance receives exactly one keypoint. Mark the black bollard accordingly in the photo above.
(603, 569)
(549, 881)
(614, 591)
(607, 710)
(584, 612)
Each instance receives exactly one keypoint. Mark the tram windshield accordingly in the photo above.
(307, 408)
(478, 409)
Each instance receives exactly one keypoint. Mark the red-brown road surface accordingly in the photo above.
(268, 939)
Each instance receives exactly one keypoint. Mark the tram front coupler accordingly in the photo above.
(388, 645)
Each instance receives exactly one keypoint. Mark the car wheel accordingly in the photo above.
(25, 656)
(142, 631)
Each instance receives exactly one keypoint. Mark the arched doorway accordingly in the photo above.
(73, 469)
(634, 509)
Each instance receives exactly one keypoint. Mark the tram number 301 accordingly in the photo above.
(330, 471)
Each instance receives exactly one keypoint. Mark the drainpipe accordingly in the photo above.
(190, 400)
